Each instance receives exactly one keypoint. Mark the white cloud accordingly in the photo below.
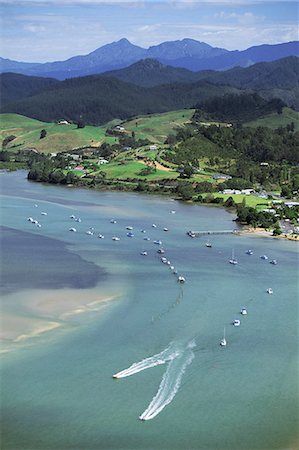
(34, 28)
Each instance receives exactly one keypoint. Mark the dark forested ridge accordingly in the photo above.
(99, 99)
(15, 86)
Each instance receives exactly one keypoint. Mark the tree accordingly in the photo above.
(7, 140)
(277, 230)
(43, 134)
(286, 191)
(4, 156)
(185, 190)
(229, 203)
(80, 123)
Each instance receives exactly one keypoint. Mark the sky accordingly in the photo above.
(54, 30)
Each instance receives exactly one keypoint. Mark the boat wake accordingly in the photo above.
(166, 355)
(170, 383)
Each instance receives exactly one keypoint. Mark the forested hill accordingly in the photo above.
(98, 99)
(15, 86)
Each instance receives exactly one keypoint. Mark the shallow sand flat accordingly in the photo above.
(29, 313)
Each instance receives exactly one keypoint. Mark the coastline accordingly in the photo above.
(261, 232)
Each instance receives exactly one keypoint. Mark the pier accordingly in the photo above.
(194, 234)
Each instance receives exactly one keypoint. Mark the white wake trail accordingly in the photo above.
(170, 383)
(168, 354)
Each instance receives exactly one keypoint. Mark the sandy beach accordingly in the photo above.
(261, 232)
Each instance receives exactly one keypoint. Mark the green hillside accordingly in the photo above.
(59, 138)
(277, 120)
(156, 127)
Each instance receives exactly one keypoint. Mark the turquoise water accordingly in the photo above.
(57, 390)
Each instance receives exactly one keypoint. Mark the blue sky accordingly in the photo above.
(48, 30)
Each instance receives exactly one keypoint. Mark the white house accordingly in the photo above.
(103, 161)
(153, 147)
(63, 122)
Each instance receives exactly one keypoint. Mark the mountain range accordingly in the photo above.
(187, 53)
(145, 87)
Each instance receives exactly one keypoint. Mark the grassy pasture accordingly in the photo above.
(59, 138)
(156, 127)
(277, 120)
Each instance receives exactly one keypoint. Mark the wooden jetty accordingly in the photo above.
(194, 234)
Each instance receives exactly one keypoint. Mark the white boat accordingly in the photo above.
(223, 340)
(44, 213)
(160, 250)
(146, 239)
(164, 260)
(78, 220)
(38, 225)
(115, 238)
(236, 323)
(158, 242)
(249, 252)
(269, 291)
(112, 221)
(171, 267)
(89, 232)
(130, 234)
(208, 244)
(233, 260)
(273, 261)
(154, 225)
(101, 236)
(129, 228)
(143, 253)
(72, 216)
(73, 229)
(143, 231)
(173, 211)
(181, 279)
(264, 257)
(244, 311)
(165, 229)
(30, 219)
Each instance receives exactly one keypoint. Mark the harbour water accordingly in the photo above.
(77, 310)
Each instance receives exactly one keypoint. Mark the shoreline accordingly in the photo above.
(261, 232)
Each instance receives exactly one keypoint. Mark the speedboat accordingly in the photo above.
(115, 238)
(89, 232)
(147, 239)
(208, 244)
(273, 261)
(236, 323)
(269, 291)
(112, 221)
(161, 250)
(249, 252)
(129, 228)
(143, 231)
(78, 220)
(154, 225)
(73, 229)
(101, 236)
(244, 311)
(223, 340)
(38, 225)
(173, 211)
(44, 213)
(130, 234)
(164, 260)
(30, 219)
(72, 216)
(233, 259)
(143, 253)
(158, 242)
(181, 279)
(264, 257)
(171, 267)
(165, 229)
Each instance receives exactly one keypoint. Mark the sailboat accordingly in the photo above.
(233, 259)
(223, 340)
